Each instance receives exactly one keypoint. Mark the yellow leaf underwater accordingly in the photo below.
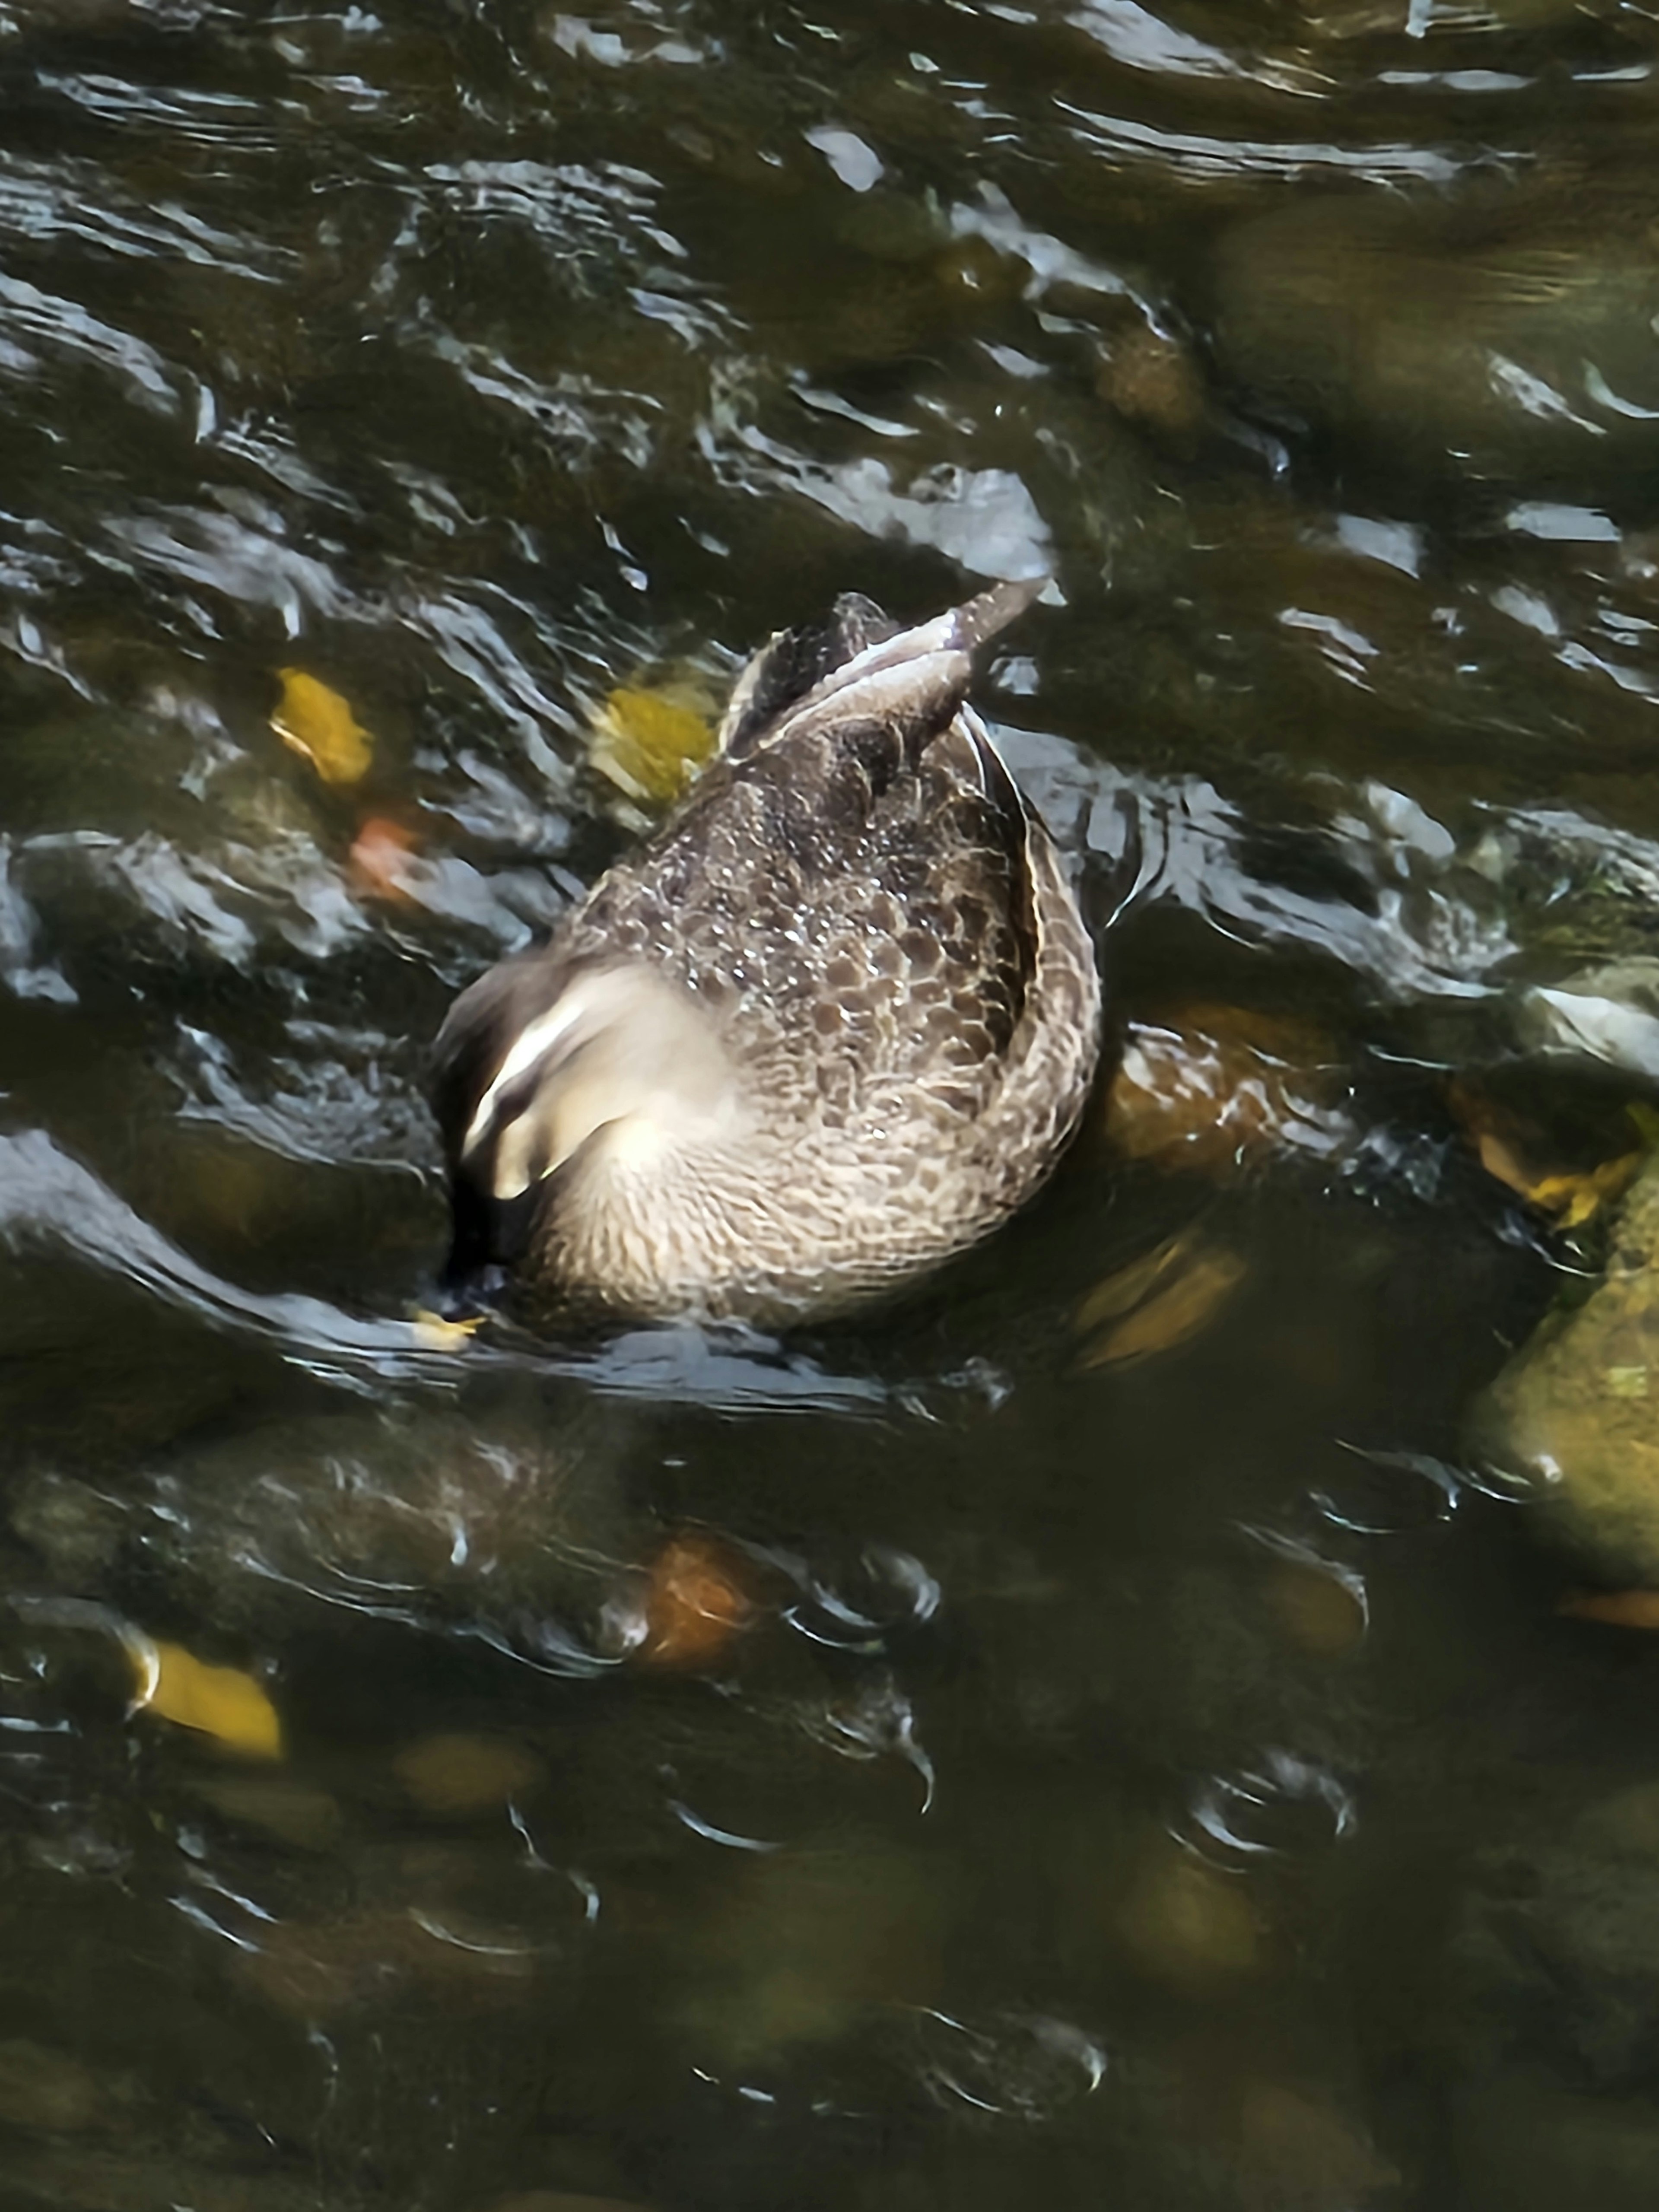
(1572, 1198)
(436, 1334)
(222, 1702)
(1501, 1144)
(319, 726)
(648, 742)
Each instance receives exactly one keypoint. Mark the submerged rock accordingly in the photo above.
(1149, 376)
(1330, 20)
(1526, 2146)
(1575, 1415)
(1188, 1925)
(518, 1533)
(1609, 1013)
(47, 2090)
(1554, 1960)
(1506, 339)
(810, 1950)
(1299, 2151)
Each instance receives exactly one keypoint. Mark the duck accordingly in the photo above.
(834, 1023)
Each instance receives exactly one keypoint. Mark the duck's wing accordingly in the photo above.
(856, 665)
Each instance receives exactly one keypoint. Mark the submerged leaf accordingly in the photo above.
(1503, 1143)
(380, 857)
(278, 1804)
(1133, 1286)
(222, 1702)
(1317, 1607)
(1297, 2149)
(1571, 1199)
(1160, 1301)
(1633, 1609)
(1574, 1198)
(461, 1774)
(696, 1602)
(1186, 1923)
(435, 1333)
(318, 724)
(649, 741)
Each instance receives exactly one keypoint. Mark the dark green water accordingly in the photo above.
(1128, 1785)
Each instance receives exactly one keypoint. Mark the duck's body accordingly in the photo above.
(836, 1021)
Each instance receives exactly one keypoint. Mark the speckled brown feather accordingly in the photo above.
(878, 931)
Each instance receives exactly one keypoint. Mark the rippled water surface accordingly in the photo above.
(1097, 1734)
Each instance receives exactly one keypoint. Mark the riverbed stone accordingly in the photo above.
(1574, 1418)
(1504, 337)
(1525, 2146)
(1552, 1995)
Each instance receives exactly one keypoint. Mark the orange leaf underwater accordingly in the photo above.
(380, 856)
(696, 1602)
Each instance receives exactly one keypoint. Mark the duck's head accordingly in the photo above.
(541, 1069)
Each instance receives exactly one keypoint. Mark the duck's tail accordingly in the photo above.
(856, 667)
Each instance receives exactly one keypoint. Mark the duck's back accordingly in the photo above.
(854, 901)
(859, 917)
